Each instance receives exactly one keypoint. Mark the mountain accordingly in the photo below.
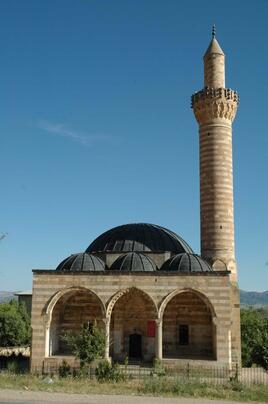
(256, 299)
(7, 296)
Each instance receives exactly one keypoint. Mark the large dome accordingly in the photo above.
(139, 237)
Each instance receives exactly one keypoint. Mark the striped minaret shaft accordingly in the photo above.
(215, 108)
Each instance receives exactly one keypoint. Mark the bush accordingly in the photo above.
(236, 385)
(15, 329)
(88, 345)
(13, 366)
(64, 369)
(158, 370)
(254, 338)
(105, 372)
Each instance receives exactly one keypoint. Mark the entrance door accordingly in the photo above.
(135, 346)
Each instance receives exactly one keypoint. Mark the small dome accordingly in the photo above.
(133, 262)
(186, 263)
(139, 237)
(81, 262)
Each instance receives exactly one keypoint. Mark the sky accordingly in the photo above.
(97, 130)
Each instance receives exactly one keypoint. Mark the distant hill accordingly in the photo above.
(7, 296)
(256, 299)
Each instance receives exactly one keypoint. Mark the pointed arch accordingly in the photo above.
(176, 292)
(133, 315)
(189, 325)
(48, 310)
(122, 292)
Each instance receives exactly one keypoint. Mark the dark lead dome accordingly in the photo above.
(186, 263)
(139, 237)
(81, 262)
(134, 262)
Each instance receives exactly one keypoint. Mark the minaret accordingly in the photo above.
(215, 108)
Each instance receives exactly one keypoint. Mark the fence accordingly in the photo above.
(184, 373)
(189, 373)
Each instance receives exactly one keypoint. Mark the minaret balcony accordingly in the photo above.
(215, 103)
(212, 93)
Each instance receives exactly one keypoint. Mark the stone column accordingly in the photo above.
(47, 336)
(230, 349)
(106, 321)
(158, 345)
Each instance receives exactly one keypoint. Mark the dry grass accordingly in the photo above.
(64, 385)
(157, 387)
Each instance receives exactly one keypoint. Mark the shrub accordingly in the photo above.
(64, 369)
(236, 385)
(88, 345)
(158, 370)
(13, 366)
(254, 338)
(105, 372)
(15, 327)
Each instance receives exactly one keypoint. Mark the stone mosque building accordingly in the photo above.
(142, 283)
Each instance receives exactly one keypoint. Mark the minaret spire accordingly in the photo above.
(214, 64)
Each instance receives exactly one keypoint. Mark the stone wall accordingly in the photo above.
(110, 287)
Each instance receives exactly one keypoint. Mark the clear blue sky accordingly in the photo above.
(96, 126)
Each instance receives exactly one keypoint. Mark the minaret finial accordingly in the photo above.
(213, 31)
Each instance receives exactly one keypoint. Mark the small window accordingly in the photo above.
(184, 334)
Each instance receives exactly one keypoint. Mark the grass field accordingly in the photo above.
(157, 387)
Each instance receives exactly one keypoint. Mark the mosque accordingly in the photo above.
(153, 296)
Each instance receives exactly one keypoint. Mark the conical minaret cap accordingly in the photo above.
(214, 47)
(214, 65)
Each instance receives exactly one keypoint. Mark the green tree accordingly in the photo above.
(15, 325)
(254, 338)
(88, 345)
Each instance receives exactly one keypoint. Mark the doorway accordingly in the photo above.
(135, 346)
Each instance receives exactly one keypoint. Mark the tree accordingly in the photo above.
(15, 326)
(254, 338)
(88, 345)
